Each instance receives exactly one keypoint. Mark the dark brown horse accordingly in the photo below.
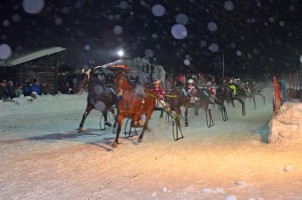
(224, 93)
(176, 99)
(204, 101)
(132, 104)
(99, 97)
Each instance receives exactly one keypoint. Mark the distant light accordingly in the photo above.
(212, 26)
(158, 10)
(33, 6)
(179, 31)
(118, 29)
(228, 5)
(281, 23)
(182, 19)
(120, 53)
(5, 51)
(301, 59)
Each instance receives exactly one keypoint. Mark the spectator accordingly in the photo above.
(35, 89)
(11, 89)
(19, 90)
(67, 89)
(43, 88)
(27, 89)
(4, 94)
(180, 79)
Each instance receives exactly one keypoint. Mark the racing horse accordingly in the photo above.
(252, 91)
(175, 98)
(224, 93)
(99, 97)
(203, 101)
(132, 104)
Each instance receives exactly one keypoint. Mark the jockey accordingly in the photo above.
(211, 90)
(159, 92)
(233, 88)
(191, 90)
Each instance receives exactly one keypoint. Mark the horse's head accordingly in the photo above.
(121, 83)
(83, 81)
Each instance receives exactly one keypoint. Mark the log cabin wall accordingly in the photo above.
(43, 69)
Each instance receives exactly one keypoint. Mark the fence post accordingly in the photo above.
(276, 97)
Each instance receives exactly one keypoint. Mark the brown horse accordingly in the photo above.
(99, 97)
(133, 103)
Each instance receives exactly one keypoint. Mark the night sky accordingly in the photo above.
(256, 37)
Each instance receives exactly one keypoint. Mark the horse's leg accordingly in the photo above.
(186, 115)
(233, 104)
(118, 131)
(148, 116)
(87, 111)
(161, 113)
(196, 108)
(262, 97)
(243, 108)
(115, 119)
(105, 114)
(254, 99)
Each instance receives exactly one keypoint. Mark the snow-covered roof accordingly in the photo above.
(25, 57)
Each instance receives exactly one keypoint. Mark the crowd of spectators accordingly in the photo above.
(8, 90)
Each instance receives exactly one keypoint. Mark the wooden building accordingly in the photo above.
(42, 65)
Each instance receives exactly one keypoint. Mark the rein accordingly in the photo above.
(173, 116)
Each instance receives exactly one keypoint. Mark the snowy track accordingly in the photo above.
(43, 157)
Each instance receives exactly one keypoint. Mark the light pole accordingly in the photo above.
(223, 66)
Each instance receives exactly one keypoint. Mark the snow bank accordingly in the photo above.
(286, 126)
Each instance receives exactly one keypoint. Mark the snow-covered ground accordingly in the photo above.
(44, 157)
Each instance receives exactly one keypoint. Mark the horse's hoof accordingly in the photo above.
(186, 124)
(80, 130)
(140, 140)
(102, 129)
(114, 144)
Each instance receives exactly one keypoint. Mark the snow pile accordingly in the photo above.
(286, 126)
